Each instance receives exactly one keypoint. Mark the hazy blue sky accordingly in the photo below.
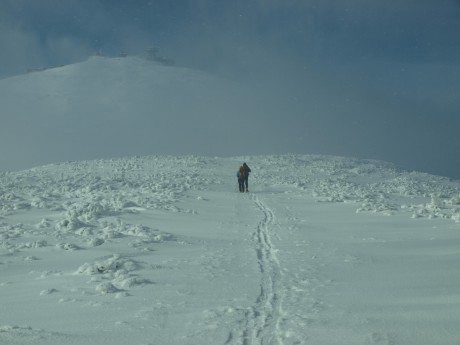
(375, 79)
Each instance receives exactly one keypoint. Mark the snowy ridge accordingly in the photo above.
(105, 98)
(324, 250)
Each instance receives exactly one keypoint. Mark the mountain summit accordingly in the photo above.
(106, 107)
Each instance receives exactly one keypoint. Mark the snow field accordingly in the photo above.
(164, 250)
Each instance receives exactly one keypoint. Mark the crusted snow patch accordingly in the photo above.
(106, 288)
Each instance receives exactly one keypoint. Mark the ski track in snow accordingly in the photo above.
(262, 320)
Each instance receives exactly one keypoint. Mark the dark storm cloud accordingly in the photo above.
(226, 34)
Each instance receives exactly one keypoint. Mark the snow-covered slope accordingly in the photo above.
(164, 250)
(113, 107)
(117, 107)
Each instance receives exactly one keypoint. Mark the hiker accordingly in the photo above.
(240, 176)
(247, 170)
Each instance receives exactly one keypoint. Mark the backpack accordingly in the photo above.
(241, 172)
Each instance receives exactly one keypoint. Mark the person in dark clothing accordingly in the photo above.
(240, 176)
(247, 170)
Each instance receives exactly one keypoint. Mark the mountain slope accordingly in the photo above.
(115, 107)
(107, 107)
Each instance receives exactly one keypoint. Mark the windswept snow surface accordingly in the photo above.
(164, 250)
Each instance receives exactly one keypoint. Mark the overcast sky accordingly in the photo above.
(378, 79)
(217, 33)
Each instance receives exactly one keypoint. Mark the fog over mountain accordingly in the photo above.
(112, 107)
(334, 77)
